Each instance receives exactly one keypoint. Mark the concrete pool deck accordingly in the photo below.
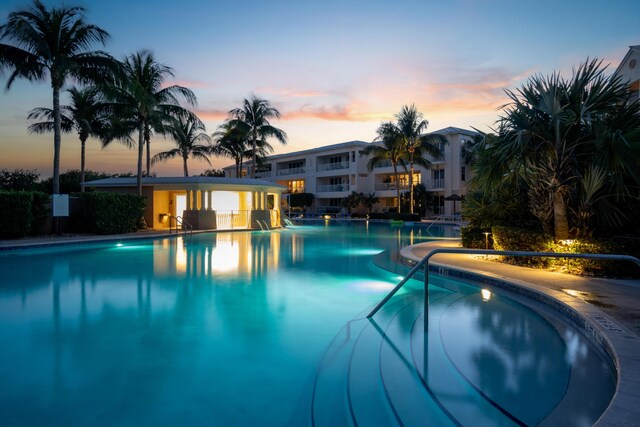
(612, 308)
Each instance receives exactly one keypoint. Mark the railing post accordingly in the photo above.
(426, 296)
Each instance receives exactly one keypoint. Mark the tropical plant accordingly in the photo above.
(19, 179)
(387, 148)
(411, 128)
(573, 144)
(140, 101)
(369, 200)
(86, 115)
(253, 119)
(352, 201)
(213, 173)
(188, 132)
(231, 141)
(56, 44)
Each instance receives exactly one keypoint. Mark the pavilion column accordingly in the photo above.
(189, 196)
(209, 200)
(203, 200)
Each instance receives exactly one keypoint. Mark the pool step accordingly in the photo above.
(375, 374)
(332, 403)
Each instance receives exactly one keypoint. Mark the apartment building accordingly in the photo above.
(629, 70)
(332, 172)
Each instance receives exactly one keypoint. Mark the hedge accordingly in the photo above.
(23, 213)
(516, 239)
(109, 213)
(474, 237)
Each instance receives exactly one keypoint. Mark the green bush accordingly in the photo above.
(109, 213)
(15, 221)
(516, 239)
(474, 237)
(23, 213)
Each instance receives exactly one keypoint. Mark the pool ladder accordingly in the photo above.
(186, 227)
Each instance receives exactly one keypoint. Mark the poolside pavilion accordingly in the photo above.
(203, 202)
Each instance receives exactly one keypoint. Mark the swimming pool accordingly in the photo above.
(249, 329)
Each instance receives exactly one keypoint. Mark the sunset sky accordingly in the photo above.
(334, 69)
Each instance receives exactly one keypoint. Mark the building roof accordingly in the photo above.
(452, 130)
(150, 181)
(624, 60)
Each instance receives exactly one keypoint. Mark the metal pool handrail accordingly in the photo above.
(425, 262)
(179, 220)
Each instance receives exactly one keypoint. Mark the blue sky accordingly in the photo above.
(335, 69)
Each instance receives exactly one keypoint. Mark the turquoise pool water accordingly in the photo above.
(239, 329)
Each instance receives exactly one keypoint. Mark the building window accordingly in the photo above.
(296, 186)
(353, 156)
(463, 176)
(438, 174)
(295, 165)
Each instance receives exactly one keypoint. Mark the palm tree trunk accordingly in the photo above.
(560, 220)
(411, 183)
(57, 140)
(83, 141)
(254, 157)
(238, 167)
(140, 155)
(186, 169)
(147, 138)
(395, 173)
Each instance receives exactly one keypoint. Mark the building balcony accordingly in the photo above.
(384, 186)
(332, 188)
(436, 183)
(263, 174)
(322, 167)
(290, 171)
(384, 164)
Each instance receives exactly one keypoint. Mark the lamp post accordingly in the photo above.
(486, 242)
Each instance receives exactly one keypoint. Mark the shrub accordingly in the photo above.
(15, 221)
(40, 211)
(515, 239)
(474, 237)
(109, 213)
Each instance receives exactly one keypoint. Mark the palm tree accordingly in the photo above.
(352, 201)
(53, 43)
(139, 102)
(558, 133)
(187, 131)
(412, 126)
(231, 141)
(253, 118)
(368, 200)
(86, 115)
(390, 149)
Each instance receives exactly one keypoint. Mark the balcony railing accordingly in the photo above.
(384, 164)
(437, 183)
(262, 174)
(384, 186)
(331, 188)
(291, 171)
(321, 167)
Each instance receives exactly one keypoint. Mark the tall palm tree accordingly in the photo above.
(54, 43)
(188, 132)
(253, 118)
(85, 114)
(412, 127)
(232, 142)
(141, 103)
(390, 149)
